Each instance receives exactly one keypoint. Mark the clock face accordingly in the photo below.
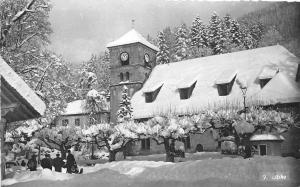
(147, 58)
(124, 56)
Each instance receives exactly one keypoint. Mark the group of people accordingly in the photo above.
(57, 163)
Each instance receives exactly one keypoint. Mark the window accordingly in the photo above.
(150, 95)
(267, 74)
(65, 122)
(262, 150)
(263, 82)
(225, 89)
(225, 82)
(77, 122)
(121, 77)
(146, 144)
(127, 76)
(186, 141)
(186, 93)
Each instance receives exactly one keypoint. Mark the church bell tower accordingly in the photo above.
(131, 59)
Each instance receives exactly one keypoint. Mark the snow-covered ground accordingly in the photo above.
(258, 171)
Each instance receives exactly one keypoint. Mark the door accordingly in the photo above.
(263, 150)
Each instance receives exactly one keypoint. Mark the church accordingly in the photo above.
(271, 74)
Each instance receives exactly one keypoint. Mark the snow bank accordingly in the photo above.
(44, 174)
(130, 168)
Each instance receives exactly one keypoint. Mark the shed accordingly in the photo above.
(18, 102)
(267, 144)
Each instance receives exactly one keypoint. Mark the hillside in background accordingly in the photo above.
(281, 24)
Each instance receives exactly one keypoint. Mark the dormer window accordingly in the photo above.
(225, 82)
(266, 75)
(124, 57)
(186, 92)
(151, 93)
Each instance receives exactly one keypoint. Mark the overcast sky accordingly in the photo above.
(84, 27)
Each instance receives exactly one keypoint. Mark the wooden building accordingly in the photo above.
(18, 102)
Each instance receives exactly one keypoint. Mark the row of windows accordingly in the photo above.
(65, 122)
(186, 93)
(124, 77)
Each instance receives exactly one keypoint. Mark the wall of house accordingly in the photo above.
(273, 147)
(291, 144)
(206, 140)
(84, 119)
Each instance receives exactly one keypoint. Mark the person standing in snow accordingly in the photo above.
(70, 162)
(58, 163)
(32, 163)
(46, 162)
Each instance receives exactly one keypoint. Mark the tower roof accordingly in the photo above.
(130, 37)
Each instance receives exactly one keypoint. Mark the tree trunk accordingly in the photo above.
(93, 156)
(112, 156)
(168, 149)
(39, 155)
(63, 152)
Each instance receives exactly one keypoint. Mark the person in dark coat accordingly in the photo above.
(247, 151)
(23, 163)
(46, 162)
(32, 163)
(70, 162)
(58, 163)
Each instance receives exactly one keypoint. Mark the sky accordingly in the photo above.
(84, 27)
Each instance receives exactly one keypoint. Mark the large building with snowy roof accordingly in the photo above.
(271, 75)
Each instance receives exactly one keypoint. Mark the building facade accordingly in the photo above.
(76, 114)
(187, 87)
(131, 60)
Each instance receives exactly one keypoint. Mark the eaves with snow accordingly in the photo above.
(78, 107)
(266, 137)
(274, 63)
(131, 37)
(17, 95)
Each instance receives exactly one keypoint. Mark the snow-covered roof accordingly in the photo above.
(280, 89)
(268, 72)
(226, 76)
(18, 85)
(248, 64)
(263, 137)
(77, 107)
(131, 37)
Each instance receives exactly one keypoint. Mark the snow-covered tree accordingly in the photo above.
(235, 33)
(162, 56)
(167, 130)
(114, 138)
(198, 34)
(181, 47)
(216, 35)
(61, 138)
(125, 110)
